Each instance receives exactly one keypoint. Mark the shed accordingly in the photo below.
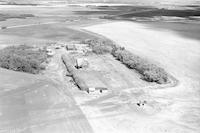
(70, 47)
(81, 62)
(97, 89)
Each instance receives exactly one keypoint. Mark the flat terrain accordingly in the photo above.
(51, 103)
(180, 57)
(47, 32)
(48, 24)
(39, 103)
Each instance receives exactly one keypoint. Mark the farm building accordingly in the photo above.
(81, 63)
(97, 89)
(70, 47)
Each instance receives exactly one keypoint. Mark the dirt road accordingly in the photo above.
(178, 108)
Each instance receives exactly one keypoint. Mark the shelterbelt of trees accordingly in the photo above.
(23, 58)
(150, 72)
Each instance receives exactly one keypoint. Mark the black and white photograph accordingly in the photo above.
(99, 66)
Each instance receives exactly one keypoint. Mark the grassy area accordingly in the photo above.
(149, 71)
(23, 58)
(55, 32)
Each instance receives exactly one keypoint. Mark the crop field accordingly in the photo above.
(48, 24)
(45, 32)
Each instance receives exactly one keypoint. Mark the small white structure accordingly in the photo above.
(97, 89)
(81, 63)
(91, 90)
(48, 50)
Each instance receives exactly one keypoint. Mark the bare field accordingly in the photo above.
(178, 106)
(48, 14)
(52, 32)
(49, 24)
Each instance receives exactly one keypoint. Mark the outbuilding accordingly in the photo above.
(97, 89)
(70, 47)
(81, 63)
